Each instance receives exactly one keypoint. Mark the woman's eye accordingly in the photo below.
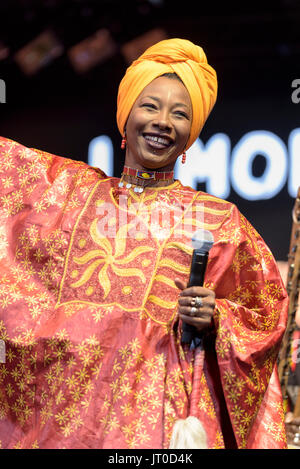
(182, 114)
(149, 105)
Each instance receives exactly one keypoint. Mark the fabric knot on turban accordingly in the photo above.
(178, 56)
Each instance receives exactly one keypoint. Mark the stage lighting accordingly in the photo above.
(39, 52)
(4, 51)
(133, 49)
(92, 51)
(156, 2)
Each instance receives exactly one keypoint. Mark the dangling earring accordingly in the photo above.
(183, 157)
(123, 143)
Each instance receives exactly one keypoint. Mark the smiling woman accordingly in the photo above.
(158, 126)
(94, 275)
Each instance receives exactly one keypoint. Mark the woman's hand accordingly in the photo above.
(189, 311)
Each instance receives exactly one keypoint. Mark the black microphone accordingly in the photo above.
(202, 242)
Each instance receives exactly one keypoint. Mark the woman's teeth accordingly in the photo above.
(158, 141)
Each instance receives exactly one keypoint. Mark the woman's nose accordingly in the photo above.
(163, 120)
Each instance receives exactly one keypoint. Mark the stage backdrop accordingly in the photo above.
(248, 151)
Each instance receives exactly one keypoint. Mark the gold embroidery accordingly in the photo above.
(109, 259)
(162, 303)
(213, 211)
(181, 246)
(165, 280)
(174, 265)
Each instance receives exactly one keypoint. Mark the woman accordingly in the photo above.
(94, 288)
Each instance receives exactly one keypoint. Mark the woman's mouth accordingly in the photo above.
(157, 142)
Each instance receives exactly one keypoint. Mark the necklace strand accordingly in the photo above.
(141, 179)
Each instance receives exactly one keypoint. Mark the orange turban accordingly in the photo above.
(178, 56)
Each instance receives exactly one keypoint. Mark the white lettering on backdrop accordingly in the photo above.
(221, 167)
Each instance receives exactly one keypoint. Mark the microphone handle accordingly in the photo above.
(198, 267)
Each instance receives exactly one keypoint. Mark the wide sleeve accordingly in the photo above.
(41, 196)
(36, 183)
(26, 169)
(250, 320)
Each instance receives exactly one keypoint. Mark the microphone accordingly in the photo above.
(202, 242)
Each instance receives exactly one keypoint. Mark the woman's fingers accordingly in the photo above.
(180, 284)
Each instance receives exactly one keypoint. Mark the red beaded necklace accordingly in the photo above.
(145, 174)
(139, 178)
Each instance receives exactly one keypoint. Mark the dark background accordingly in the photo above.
(254, 47)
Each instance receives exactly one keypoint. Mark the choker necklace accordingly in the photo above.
(141, 178)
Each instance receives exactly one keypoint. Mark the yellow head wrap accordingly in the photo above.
(178, 56)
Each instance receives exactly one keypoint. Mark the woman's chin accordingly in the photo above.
(156, 165)
(156, 161)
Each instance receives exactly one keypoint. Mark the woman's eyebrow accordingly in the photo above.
(152, 97)
(155, 98)
(182, 104)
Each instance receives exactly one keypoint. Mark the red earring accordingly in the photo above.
(183, 157)
(123, 143)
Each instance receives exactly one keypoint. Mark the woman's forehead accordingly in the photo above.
(164, 86)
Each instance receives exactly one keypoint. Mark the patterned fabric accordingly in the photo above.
(88, 313)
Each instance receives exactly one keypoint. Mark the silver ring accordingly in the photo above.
(193, 311)
(198, 302)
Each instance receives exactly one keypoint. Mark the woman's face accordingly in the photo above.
(158, 126)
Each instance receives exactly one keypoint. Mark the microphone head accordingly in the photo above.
(202, 240)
